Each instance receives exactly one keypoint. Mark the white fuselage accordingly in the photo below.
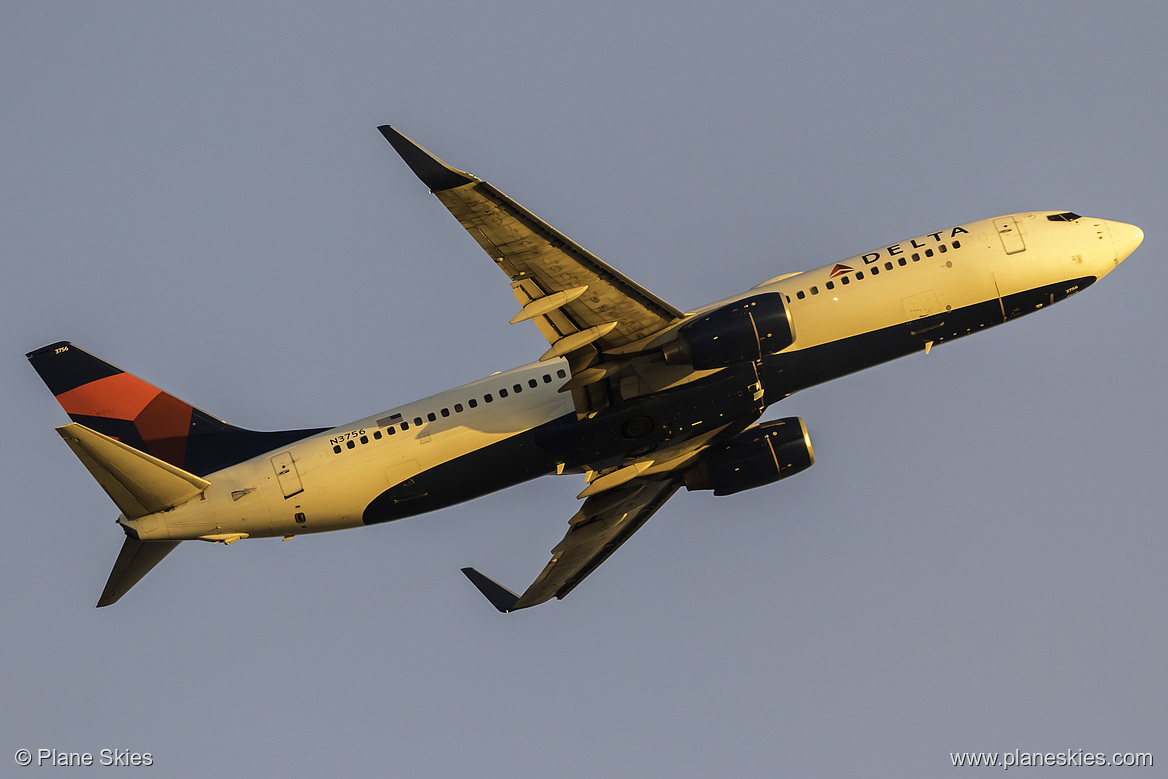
(326, 481)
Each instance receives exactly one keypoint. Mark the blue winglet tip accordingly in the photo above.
(500, 597)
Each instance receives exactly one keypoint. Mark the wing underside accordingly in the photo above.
(585, 308)
(603, 523)
(541, 261)
(607, 327)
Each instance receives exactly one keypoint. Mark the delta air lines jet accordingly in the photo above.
(634, 395)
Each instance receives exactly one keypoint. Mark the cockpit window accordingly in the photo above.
(1066, 216)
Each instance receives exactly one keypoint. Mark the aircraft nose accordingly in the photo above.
(1126, 238)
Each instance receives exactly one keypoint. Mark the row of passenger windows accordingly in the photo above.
(404, 425)
(874, 269)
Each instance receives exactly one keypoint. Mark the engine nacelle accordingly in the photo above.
(743, 331)
(759, 455)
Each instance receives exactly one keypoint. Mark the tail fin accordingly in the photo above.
(121, 406)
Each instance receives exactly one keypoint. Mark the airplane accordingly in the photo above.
(637, 396)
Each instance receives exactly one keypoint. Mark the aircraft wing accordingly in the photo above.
(618, 501)
(603, 523)
(575, 299)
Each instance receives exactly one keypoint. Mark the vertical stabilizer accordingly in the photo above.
(122, 406)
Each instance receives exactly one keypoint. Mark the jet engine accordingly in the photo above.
(759, 455)
(743, 331)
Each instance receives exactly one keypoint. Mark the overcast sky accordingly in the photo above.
(198, 193)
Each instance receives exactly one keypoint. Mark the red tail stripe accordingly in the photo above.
(164, 426)
(120, 396)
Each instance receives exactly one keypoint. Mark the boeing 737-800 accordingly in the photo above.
(636, 396)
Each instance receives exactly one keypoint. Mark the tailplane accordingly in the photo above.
(134, 561)
(138, 483)
(119, 405)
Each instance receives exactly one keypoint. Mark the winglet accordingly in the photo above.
(433, 172)
(499, 596)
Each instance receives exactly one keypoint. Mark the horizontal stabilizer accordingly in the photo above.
(138, 483)
(499, 596)
(134, 561)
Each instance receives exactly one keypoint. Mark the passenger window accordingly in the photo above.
(901, 262)
(547, 378)
(928, 252)
(349, 444)
(445, 412)
(815, 290)
(888, 265)
(457, 408)
(845, 280)
(532, 383)
(859, 275)
(418, 421)
(337, 448)
(488, 398)
(800, 294)
(377, 435)
(364, 439)
(391, 431)
(875, 270)
(405, 426)
(561, 373)
(473, 403)
(943, 248)
(518, 388)
(957, 244)
(916, 258)
(830, 285)
(503, 393)
(431, 416)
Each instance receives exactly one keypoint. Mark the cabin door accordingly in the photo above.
(287, 475)
(1011, 236)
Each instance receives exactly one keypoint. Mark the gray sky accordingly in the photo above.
(199, 194)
